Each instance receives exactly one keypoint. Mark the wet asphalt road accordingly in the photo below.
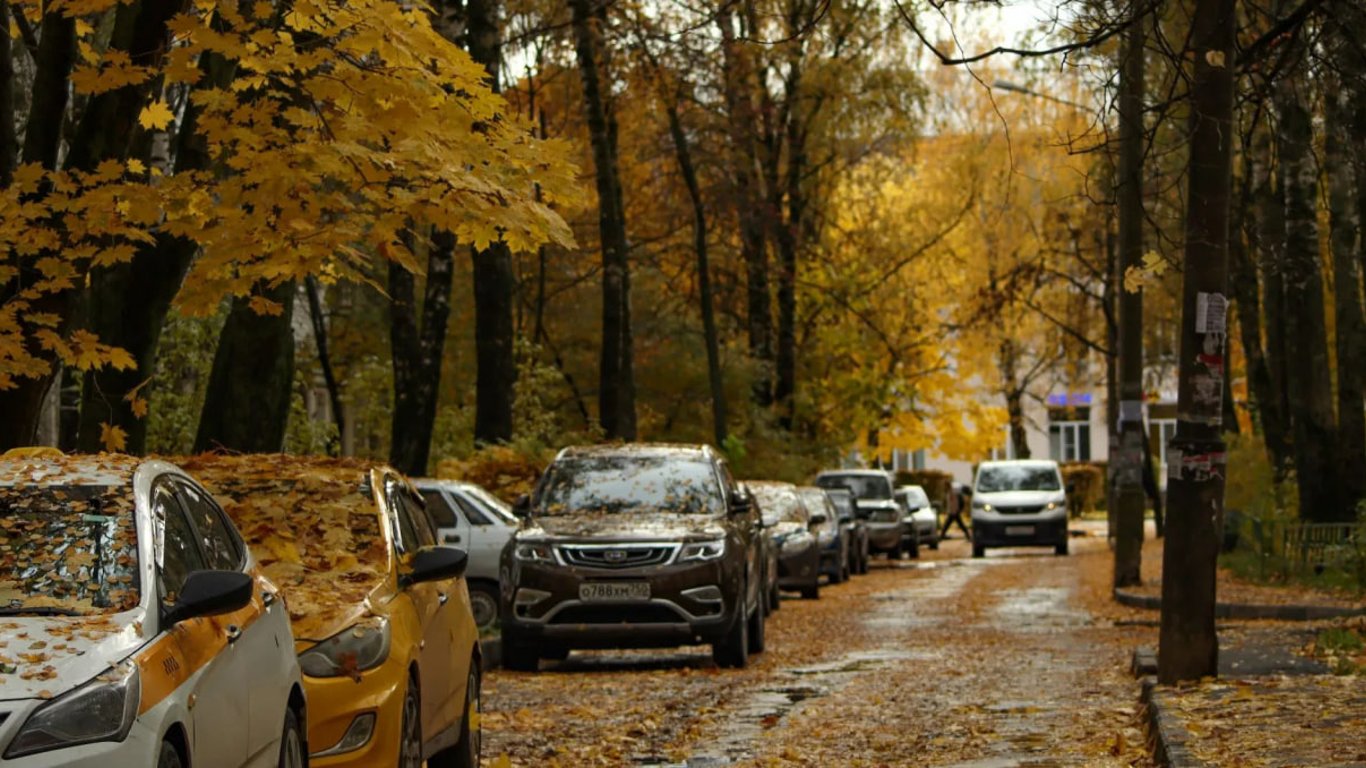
(947, 661)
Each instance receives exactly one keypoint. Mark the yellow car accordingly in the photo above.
(381, 615)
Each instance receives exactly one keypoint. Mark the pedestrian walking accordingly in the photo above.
(959, 501)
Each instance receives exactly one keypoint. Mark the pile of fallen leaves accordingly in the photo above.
(503, 471)
(313, 524)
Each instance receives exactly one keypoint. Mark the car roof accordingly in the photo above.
(643, 450)
(54, 468)
(1020, 463)
(860, 472)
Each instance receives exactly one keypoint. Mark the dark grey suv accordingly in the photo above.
(634, 546)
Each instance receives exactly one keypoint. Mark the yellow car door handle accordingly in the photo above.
(234, 633)
(443, 597)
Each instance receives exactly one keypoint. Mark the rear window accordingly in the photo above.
(864, 487)
(1007, 477)
(624, 484)
(68, 549)
(780, 502)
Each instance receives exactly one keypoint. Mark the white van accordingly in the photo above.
(1019, 504)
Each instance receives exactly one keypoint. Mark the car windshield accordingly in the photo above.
(625, 483)
(1017, 478)
(844, 502)
(864, 487)
(816, 503)
(780, 501)
(494, 505)
(69, 549)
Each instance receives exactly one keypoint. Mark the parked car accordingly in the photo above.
(138, 628)
(921, 516)
(790, 528)
(1019, 503)
(470, 517)
(634, 546)
(770, 551)
(855, 528)
(872, 490)
(829, 533)
(381, 615)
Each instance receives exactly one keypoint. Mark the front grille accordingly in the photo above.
(1034, 510)
(616, 614)
(617, 556)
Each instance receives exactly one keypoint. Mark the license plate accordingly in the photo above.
(1019, 530)
(606, 592)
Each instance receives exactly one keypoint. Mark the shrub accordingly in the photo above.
(937, 484)
(506, 472)
(1085, 485)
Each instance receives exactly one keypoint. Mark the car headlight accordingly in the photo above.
(1052, 505)
(533, 552)
(795, 543)
(348, 653)
(699, 551)
(101, 710)
(982, 505)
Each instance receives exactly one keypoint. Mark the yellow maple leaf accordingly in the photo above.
(156, 116)
(114, 439)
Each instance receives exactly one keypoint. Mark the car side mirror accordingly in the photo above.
(521, 508)
(210, 593)
(818, 520)
(740, 504)
(435, 564)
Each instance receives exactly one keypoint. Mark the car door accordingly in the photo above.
(749, 530)
(199, 653)
(486, 536)
(254, 633)
(413, 531)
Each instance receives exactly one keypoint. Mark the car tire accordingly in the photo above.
(553, 653)
(934, 542)
(484, 604)
(519, 657)
(732, 652)
(837, 575)
(169, 756)
(466, 752)
(756, 629)
(292, 752)
(978, 550)
(914, 549)
(812, 592)
(1061, 548)
(410, 730)
(775, 598)
(895, 553)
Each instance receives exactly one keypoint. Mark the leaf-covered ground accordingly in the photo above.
(1019, 659)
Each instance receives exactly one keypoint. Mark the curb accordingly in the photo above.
(1170, 739)
(1249, 610)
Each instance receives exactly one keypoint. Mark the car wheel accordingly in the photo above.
(756, 629)
(812, 592)
(934, 542)
(484, 604)
(169, 757)
(837, 575)
(895, 553)
(291, 743)
(519, 657)
(978, 550)
(775, 598)
(733, 651)
(914, 549)
(410, 733)
(466, 752)
(1061, 548)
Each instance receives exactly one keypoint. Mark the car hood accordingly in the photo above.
(784, 529)
(621, 527)
(871, 504)
(1018, 498)
(45, 656)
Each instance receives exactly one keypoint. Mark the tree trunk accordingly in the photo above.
(246, 406)
(319, 322)
(616, 394)
(1128, 467)
(685, 166)
(9, 142)
(1342, 179)
(417, 349)
(1307, 371)
(494, 280)
(742, 117)
(1188, 646)
(1270, 250)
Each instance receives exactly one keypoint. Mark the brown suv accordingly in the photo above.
(634, 546)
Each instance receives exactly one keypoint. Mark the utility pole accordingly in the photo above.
(1128, 463)
(1188, 645)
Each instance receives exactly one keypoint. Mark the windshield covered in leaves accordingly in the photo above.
(781, 502)
(864, 487)
(68, 549)
(630, 483)
(1017, 478)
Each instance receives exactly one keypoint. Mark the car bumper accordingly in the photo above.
(884, 537)
(687, 605)
(334, 703)
(800, 569)
(1023, 532)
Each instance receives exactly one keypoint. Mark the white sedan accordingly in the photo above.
(921, 516)
(471, 518)
(135, 627)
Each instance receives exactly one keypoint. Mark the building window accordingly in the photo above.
(1069, 434)
(918, 460)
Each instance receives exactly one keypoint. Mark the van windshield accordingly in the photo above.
(1017, 478)
(864, 487)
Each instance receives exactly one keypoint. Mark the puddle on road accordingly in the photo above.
(1039, 609)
